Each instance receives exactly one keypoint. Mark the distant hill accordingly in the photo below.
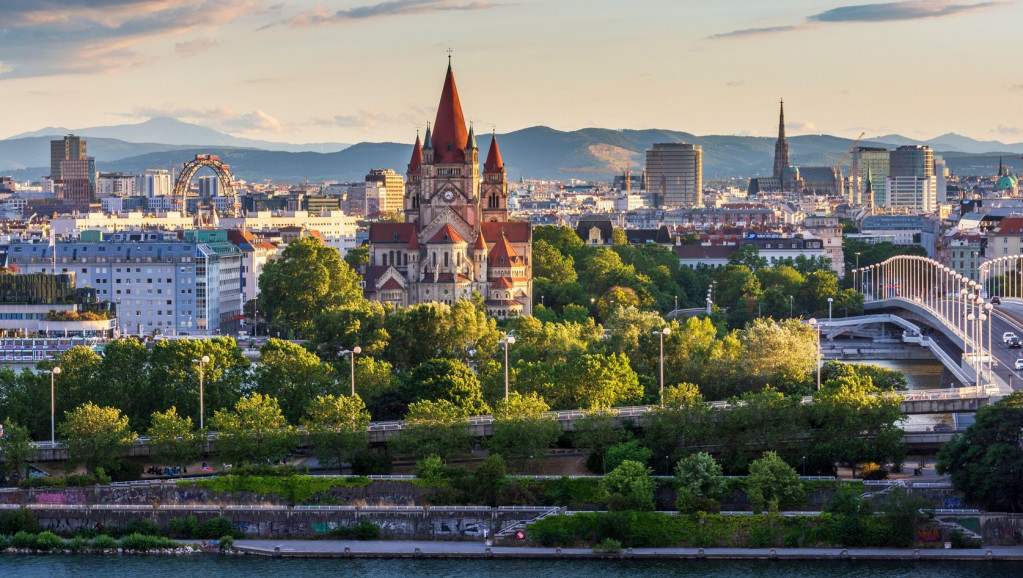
(170, 131)
(536, 152)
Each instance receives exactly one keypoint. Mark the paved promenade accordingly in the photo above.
(436, 549)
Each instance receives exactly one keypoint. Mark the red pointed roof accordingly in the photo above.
(449, 134)
(390, 285)
(494, 162)
(503, 249)
(481, 243)
(415, 166)
(447, 234)
(502, 283)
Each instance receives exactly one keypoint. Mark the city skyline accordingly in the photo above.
(365, 71)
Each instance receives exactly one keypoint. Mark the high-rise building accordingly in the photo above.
(912, 192)
(70, 148)
(209, 186)
(390, 189)
(674, 173)
(155, 183)
(72, 171)
(869, 165)
(115, 185)
(457, 239)
(912, 161)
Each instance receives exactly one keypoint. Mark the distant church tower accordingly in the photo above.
(781, 153)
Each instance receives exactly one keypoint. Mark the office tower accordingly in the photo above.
(209, 186)
(155, 183)
(674, 173)
(73, 173)
(71, 148)
(390, 189)
(870, 166)
(912, 161)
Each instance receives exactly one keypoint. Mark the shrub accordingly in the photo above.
(104, 542)
(430, 470)
(14, 521)
(630, 450)
(77, 544)
(872, 471)
(23, 540)
(294, 488)
(71, 480)
(608, 546)
(135, 526)
(631, 481)
(226, 542)
(48, 541)
(214, 527)
(364, 530)
(183, 527)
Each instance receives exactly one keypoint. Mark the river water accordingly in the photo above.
(18, 566)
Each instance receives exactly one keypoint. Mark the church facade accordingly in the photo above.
(457, 239)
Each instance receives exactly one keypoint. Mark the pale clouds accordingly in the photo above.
(48, 37)
(322, 15)
(883, 12)
(221, 117)
(1008, 130)
(801, 127)
(194, 47)
(369, 119)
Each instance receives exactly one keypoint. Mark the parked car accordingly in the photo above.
(1015, 342)
(1019, 364)
(996, 300)
(1007, 336)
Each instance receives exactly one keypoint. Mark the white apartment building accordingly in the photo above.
(912, 192)
(338, 229)
(71, 226)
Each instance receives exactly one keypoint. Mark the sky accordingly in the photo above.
(362, 70)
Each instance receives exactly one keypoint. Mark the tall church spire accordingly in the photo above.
(781, 151)
(449, 134)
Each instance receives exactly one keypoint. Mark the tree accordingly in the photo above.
(357, 256)
(306, 279)
(549, 263)
(16, 449)
(523, 428)
(255, 431)
(760, 421)
(986, 462)
(337, 426)
(95, 436)
(748, 256)
(591, 381)
(124, 381)
(173, 375)
(434, 428)
(631, 450)
(597, 431)
(773, 482)
(447, 379)
(629, 487)
(782, 354)
(294, 377)
(701, 475)
(173, 439)
(854, 423)
(683, 422)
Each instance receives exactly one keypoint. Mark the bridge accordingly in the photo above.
(959, 309)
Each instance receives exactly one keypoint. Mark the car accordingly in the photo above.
(1019, 364)
(1007, 336)
(996, 300)
(1015, 342)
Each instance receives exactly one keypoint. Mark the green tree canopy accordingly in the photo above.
(337, 425)
(306, 279)
(522, 428)
(254, 431)
(773, 482)
(629, 487)
(173, 439)
(95, 436)
(434, 428)
(449, 380)
(293, 376)
(16, 448)
(701, 475)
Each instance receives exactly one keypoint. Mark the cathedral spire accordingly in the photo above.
(781, 151)
(428, 143)
(471, 139)
(494, 163)
(415, 165)
(449, 135)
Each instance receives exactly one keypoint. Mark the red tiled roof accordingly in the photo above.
(447, 234)
(413, 242)
(391, 284)
(502, 283)
(516, 231)
(391, 232)
(1009, 226)
(450, 277)
(503, 249)
(449, 134)
(416, 164)
(494, 163)
(481, 243)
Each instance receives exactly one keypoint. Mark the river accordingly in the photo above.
(80, 566)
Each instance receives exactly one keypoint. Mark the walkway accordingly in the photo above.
(477, 549)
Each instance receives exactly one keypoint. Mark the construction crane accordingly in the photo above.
(838, 166)
(624, 171)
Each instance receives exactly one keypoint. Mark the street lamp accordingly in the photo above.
(790, 306)
(817, 338)
(53, 406)
(831, 300)
(202, 367)
(351, 354)
(660, 334)
(509, 340)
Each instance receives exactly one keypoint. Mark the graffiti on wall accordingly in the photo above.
(472, 527)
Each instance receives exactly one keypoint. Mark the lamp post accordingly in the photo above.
(53, 405)
(831, 301)
(509, 340)
(790, 306)
(202, 369)
(990, 357)
(817, 349)
(351, 353)
(660, 334)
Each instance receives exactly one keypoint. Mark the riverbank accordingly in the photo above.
(424, 549)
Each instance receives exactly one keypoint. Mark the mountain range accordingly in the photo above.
(535, 153)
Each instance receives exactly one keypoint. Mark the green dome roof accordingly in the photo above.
(1007, 182)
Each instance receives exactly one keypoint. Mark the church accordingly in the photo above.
(457, 239)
